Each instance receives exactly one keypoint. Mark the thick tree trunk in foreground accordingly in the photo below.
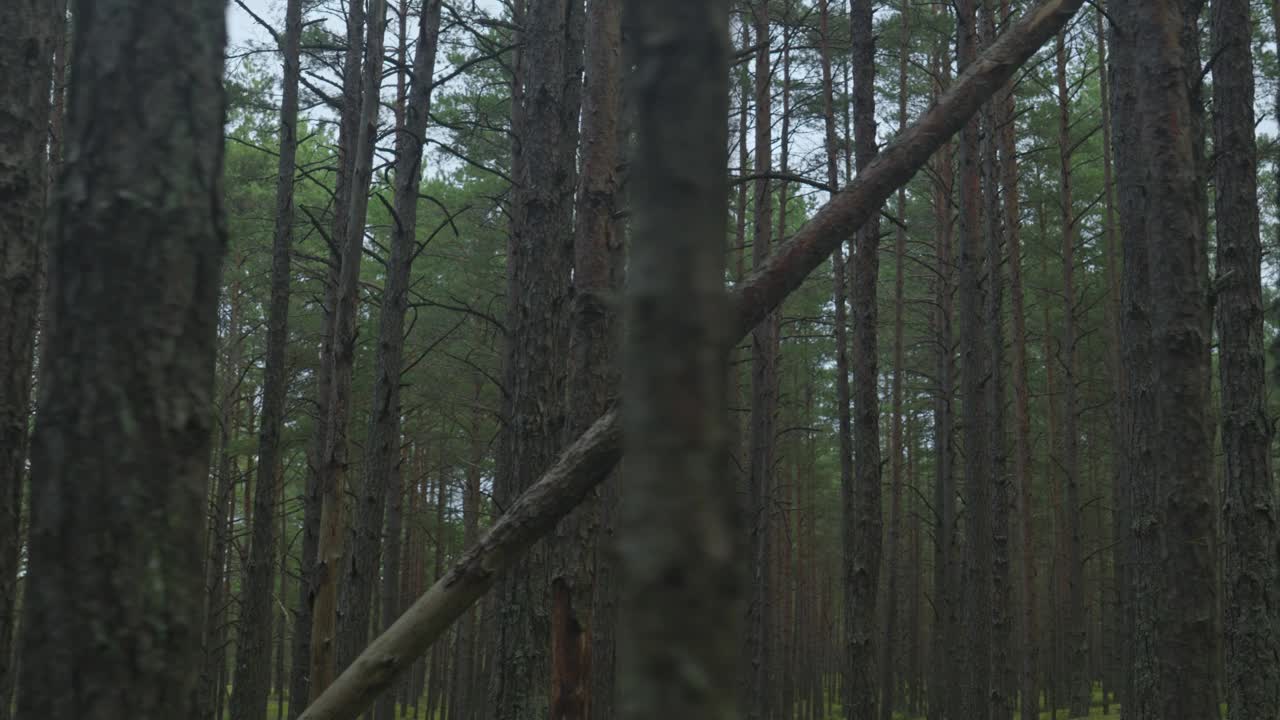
(250, 686)
(26, 54)
(1162, 202)
(120, 640)
(1253, 667)
(586, 462)
(678, 646)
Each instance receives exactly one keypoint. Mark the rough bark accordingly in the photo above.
(585, 463)
(127, 371)
(360, 573)
(250, 686)
(592, 374)
(1252, 662)
(538, 272)
(1173, 583)
(678, 532)
(26, 53)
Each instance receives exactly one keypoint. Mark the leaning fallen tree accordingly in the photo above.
(587, 461)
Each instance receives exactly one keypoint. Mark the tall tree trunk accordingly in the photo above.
(1162, 201)
(1252, 662)
(1076, 636)
(317, 466)
(678, 648)
(383, 443)
(862, 521)
(538, 274)
(944, 703)
(974, 369)
(1116, 367)
(838, 267)
(251, 685)
(592, 374)
(1001, 617)
(122, 639)
(764, 390)
(26, 54)
(331, 559)
(1029, 695)
(895, 434)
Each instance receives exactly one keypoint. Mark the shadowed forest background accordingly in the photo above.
(569, 359)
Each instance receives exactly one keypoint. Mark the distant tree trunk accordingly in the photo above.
(862, 521)
(222, 515)
(1001, 617)
(1076, 636)
(545, 119)
(1117, 630)
(464, 706)
(895, 434)
(1029, 694)
(1253, 666)
(251, 685)
(592, 374)
(1163, 213)
(678, 644)
(383, 443)
(764, 391)
(838, 267)
(309, 575)
(974, 374)
(121, 639)
(331, 559)
(26, 53)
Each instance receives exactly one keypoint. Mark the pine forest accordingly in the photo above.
(678, 359)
